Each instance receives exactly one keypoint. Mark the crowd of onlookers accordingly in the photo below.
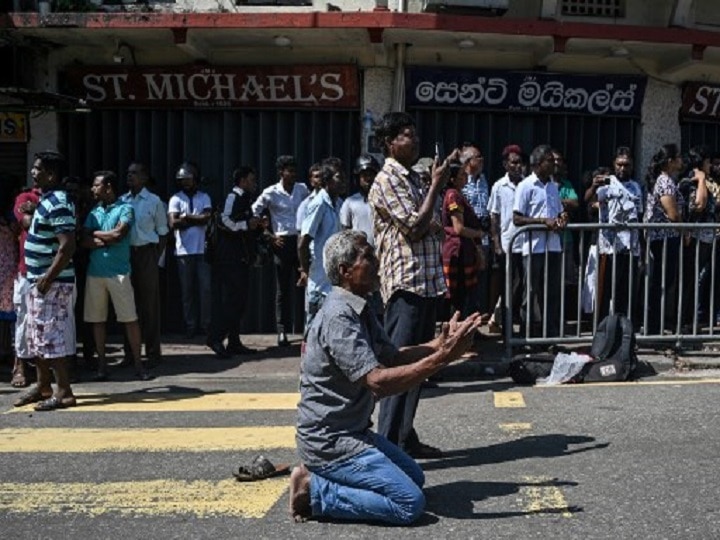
(120, 230)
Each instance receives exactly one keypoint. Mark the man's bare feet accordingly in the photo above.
(300, 494)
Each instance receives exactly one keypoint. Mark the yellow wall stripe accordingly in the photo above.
(156, 497)
(159, 402)
(145, 439)
(508, 399)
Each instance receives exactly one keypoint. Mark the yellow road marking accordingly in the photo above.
(509, 399)
(159, 402)
(156, 497)
(516, 427)
(145, 439)
(634, 383)
(544, 498)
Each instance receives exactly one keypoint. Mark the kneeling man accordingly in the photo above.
(348, 471)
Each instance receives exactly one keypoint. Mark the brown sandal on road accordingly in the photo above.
(259, 469)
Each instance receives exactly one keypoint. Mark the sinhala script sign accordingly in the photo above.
(525, 91)
(216, 87)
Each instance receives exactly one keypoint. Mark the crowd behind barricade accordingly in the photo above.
(122, 228)
(427, 240)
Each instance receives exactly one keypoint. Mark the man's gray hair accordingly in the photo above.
(341, 248)
(539, 153)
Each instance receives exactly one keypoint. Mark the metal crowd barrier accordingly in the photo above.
(680, 323)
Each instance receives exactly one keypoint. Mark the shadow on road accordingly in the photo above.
(457, 499)
(431, 390)
(153, 394)
(548, 446)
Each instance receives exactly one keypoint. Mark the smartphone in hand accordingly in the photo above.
(440, 151)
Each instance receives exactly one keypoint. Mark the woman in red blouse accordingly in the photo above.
(460, 254)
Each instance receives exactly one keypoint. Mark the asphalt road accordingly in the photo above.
(154, 460)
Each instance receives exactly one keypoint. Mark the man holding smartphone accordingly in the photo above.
(407, 238)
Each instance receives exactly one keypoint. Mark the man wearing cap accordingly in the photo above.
(355, 211)
(189, 211)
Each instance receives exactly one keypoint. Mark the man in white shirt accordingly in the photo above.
(281, 202)
(537, 202)
(500, 206)
(148, 236)
(314, 179)
(189, 211)
(355, 211)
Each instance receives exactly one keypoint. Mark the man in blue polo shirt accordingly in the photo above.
(105, 232)
(322, 220)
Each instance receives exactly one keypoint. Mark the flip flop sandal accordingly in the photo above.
(259, 469)
(31, 396)
(54, 403)
(18, 379)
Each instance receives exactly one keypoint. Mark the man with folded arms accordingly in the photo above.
(106, 233)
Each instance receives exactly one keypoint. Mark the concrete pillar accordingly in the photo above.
(376, 99)
(659, 122)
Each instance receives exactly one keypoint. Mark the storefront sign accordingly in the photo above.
(13, 127)
(701, 101)
(525, 91)
(216, 87)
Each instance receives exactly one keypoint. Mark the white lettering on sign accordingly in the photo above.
(164, 91)
(707, 101)
(211, 88)
(531, 94)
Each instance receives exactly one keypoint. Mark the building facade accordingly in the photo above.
(226, 83)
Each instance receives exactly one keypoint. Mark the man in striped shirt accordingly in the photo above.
(49, 248)
(407, 236)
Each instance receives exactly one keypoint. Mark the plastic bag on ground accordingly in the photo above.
(565, 367)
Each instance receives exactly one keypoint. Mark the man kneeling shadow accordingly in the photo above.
(531, 446)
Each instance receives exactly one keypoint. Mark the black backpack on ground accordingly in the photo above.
(528, 368)
(613, 352)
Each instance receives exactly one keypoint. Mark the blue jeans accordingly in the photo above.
(378, 484)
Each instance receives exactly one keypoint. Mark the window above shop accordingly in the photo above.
(593, 8)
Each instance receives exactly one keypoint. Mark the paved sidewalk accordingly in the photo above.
(183, 357)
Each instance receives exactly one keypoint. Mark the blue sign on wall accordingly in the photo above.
(616, 95)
